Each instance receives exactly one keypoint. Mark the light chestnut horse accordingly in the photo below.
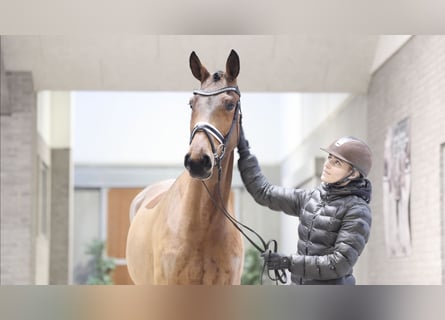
(179, 234)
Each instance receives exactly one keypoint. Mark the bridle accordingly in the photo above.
(210, 130)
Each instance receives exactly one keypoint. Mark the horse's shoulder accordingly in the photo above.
(150, 196)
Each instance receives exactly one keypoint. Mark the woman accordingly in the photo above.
(335, 217)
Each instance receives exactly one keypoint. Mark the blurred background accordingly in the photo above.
(89, 121)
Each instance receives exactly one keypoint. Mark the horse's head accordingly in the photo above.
(214, 125)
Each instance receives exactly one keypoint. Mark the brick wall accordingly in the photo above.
(25, 257)
(410, 84)
(17, 158)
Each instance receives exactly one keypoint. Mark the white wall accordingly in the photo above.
(44, 115)
(53, 118)
(387, 45)
(302, 113)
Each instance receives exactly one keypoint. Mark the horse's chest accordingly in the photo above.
(197, 265)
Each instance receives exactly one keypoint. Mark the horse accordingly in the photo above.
(179, 234)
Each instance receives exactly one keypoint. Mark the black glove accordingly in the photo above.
(243, 145)
(276, 261)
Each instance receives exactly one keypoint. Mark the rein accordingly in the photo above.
(210, 130)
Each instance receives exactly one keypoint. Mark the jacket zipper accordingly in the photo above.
(316, 213)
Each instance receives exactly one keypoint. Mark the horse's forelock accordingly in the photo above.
(217, 76)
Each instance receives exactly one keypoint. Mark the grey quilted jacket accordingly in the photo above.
(334, 223)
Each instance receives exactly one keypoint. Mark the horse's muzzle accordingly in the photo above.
(200, 168)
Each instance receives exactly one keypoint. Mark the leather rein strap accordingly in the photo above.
(210, 130)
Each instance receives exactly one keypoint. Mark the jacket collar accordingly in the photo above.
(359, 187)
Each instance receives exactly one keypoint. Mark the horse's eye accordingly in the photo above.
(230, 106)
(191, 105)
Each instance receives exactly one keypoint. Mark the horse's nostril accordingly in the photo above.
(206, 162)
(187, 160)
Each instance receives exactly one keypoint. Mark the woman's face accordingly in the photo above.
(334, 169)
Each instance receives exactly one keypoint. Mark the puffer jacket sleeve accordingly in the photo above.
(351, 240)
(287, 200)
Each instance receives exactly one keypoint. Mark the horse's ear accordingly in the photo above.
(199, 71)
(232, 65)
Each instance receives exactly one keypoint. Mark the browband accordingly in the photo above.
(216, 92)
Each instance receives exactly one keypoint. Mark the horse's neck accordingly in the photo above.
(202, 199)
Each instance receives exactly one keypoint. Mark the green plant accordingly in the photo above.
(102, 267)
(252, 267)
